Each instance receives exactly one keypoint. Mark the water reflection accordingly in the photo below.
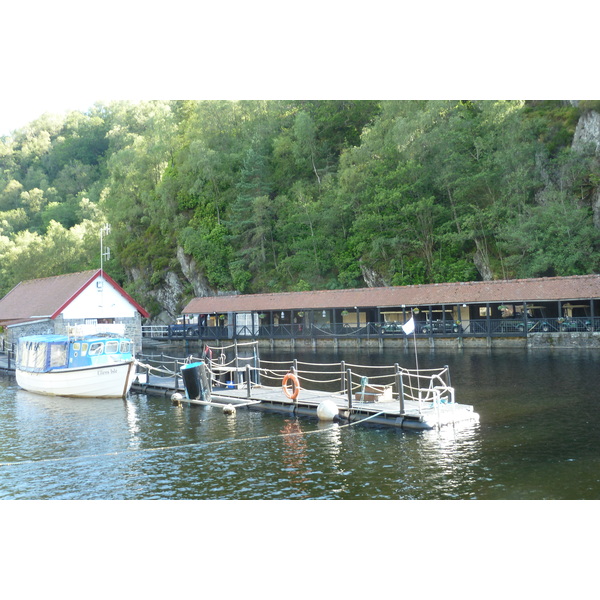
(332, 440)
(231, 423)
(133, 424)
(294, 455)
(455, 454)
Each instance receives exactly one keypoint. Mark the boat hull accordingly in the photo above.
(106, 381)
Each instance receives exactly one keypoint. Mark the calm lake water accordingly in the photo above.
(538, 438)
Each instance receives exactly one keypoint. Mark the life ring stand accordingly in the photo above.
(291, 391)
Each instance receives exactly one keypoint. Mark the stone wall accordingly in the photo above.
(564, 340)
(38, 328)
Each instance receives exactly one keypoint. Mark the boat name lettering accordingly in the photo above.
(112, 371)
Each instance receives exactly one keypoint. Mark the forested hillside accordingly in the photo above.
(255, 196)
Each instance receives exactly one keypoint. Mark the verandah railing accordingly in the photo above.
(508, 327)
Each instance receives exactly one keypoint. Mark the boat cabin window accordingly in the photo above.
(125, 347)
(32, 355)
(80, 347)
(96, 348)
(112, 347)
(38, 356)
(58, 355)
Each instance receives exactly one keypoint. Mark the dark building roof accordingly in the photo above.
(48, 297)
(579, 287)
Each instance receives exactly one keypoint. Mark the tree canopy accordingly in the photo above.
(300, 195)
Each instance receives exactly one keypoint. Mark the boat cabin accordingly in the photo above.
(43, 353)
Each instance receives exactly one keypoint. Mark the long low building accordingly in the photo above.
(500, 307)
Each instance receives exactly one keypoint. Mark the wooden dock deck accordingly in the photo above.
(416, 415)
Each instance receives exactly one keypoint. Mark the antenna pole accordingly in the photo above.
(104, 230)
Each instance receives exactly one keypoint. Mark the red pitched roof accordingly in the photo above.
(48, 297)
(516, 290)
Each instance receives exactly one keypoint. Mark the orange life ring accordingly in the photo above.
(292, 393)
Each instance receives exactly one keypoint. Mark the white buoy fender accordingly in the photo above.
(327, 410)
(229, 409)
(176, 398)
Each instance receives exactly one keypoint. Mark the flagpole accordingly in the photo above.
(416, 356)
(410, 327)
(415, 311)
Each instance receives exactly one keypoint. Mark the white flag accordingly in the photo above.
(409, 326)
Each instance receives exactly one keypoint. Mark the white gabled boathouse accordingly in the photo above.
(53, 305)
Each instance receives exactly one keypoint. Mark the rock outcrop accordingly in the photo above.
(587, 136)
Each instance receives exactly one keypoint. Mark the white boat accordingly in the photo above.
(85, 366)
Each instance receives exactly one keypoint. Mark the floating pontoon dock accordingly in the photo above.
(391, 396)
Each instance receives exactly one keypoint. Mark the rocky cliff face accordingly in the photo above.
(173, 294)
(587, 135)
(191, 272)
(587, 132)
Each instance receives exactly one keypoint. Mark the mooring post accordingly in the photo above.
(176, 375)
(343, 376)
(400, 388)
(236, 379)
(209, 373)
(349, 387)
(248, 383)
(256, 374)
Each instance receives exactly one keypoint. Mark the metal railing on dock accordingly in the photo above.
(7, 356)
(238, 366)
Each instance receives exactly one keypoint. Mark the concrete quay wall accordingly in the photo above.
(532, 341)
